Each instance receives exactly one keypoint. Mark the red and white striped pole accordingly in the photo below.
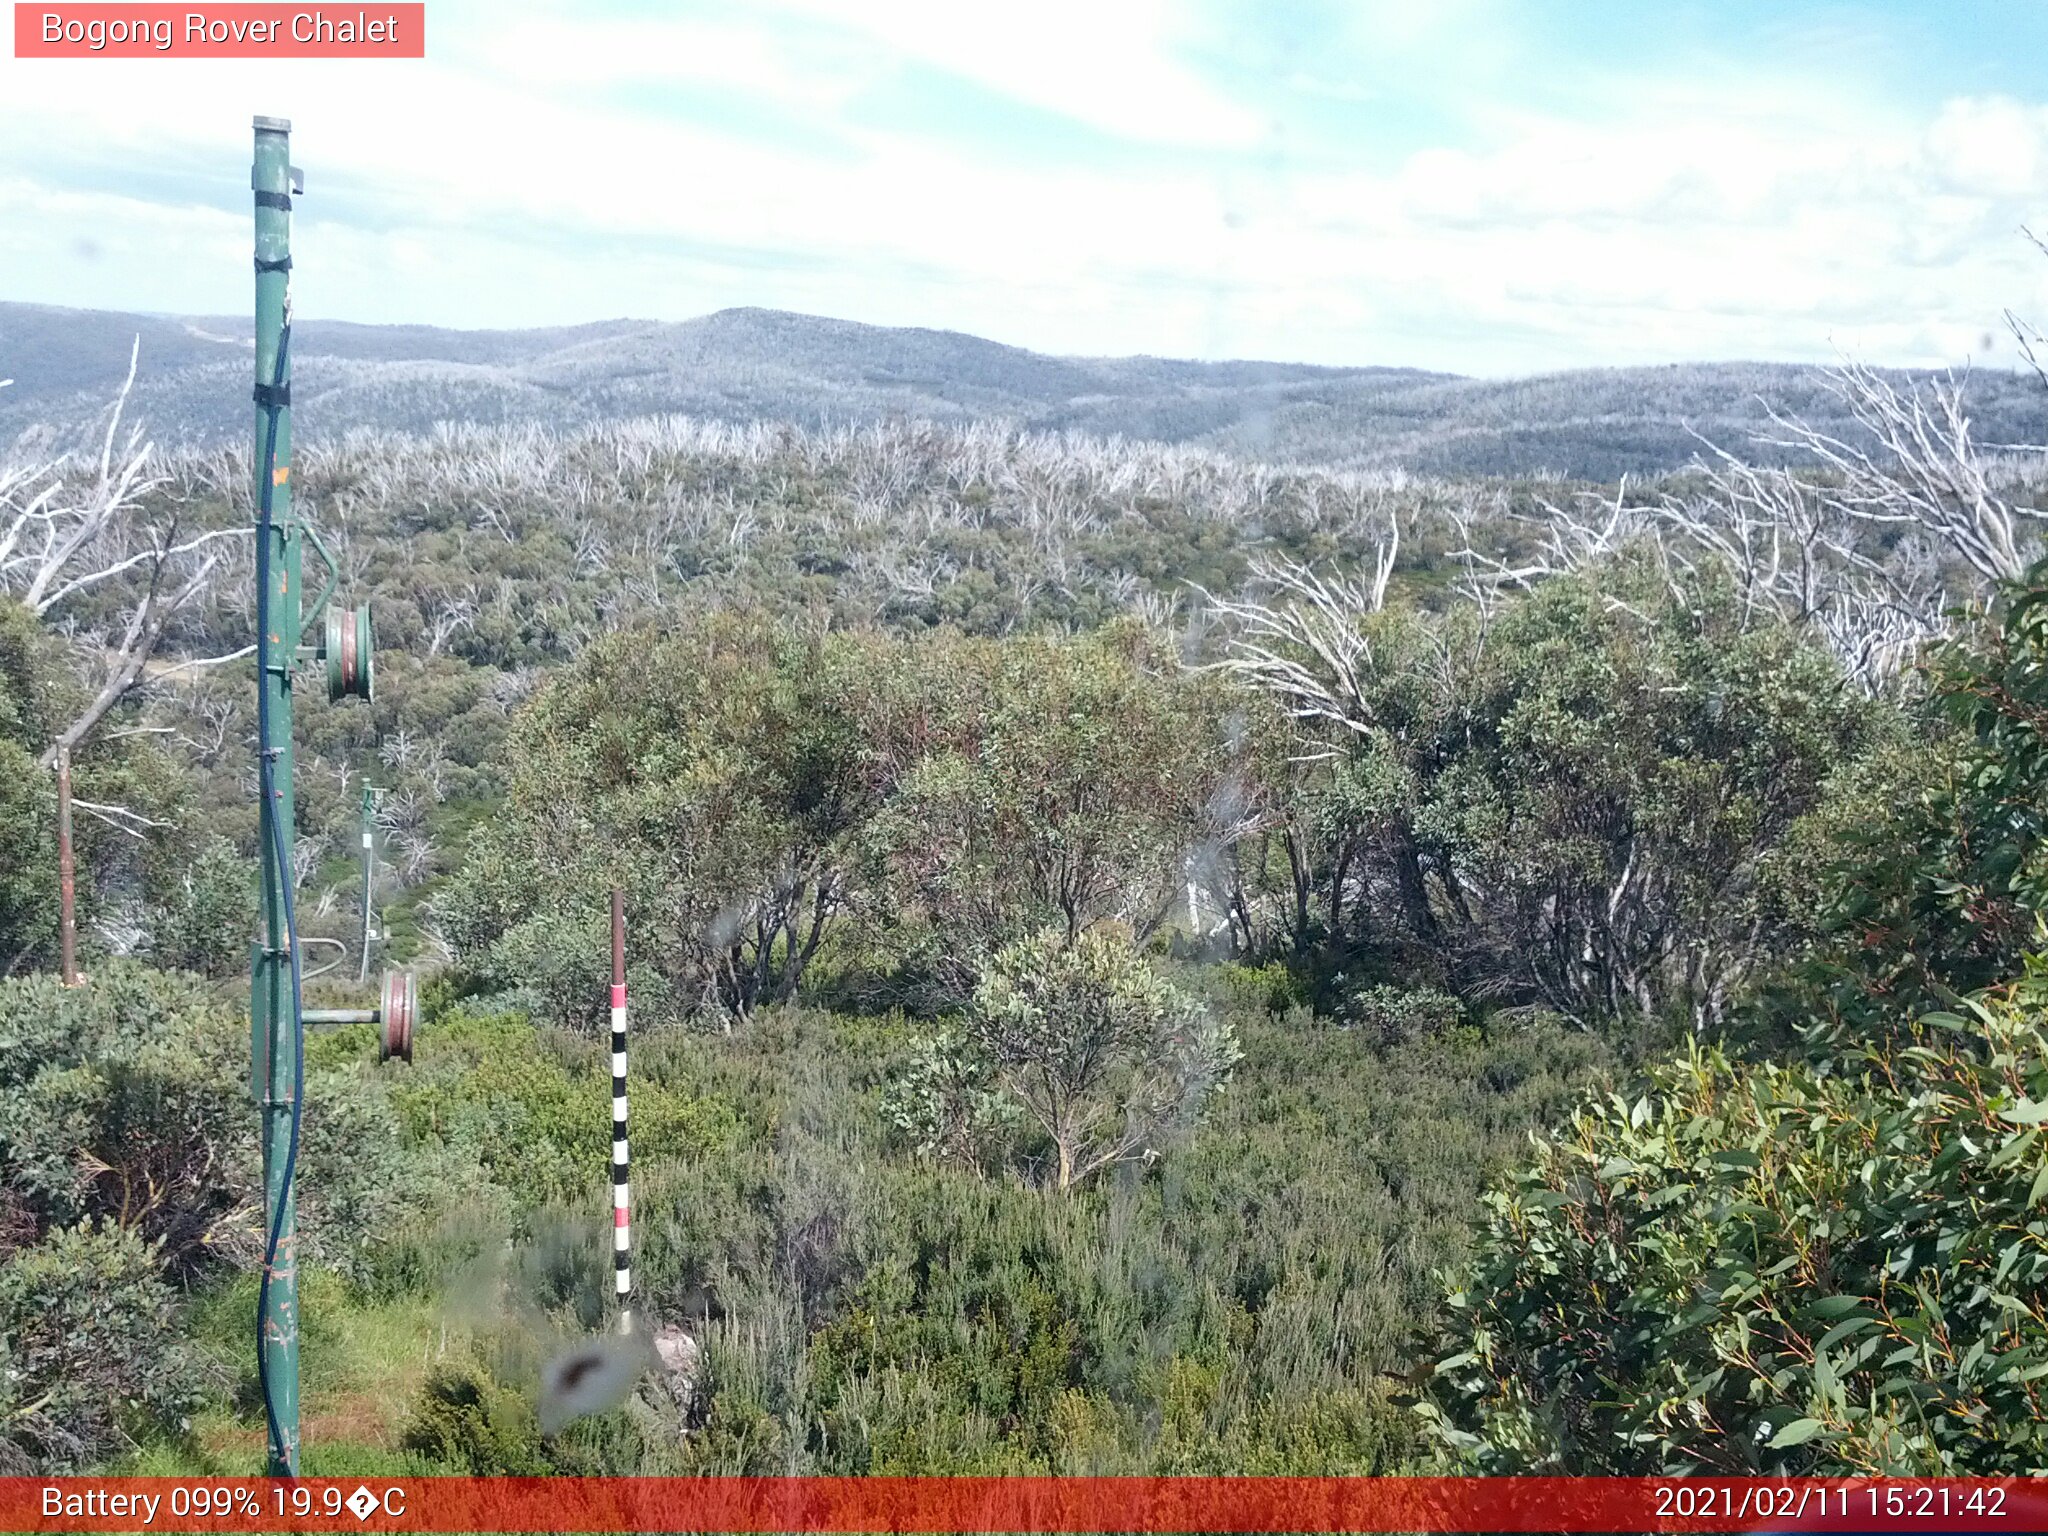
(622, 1231)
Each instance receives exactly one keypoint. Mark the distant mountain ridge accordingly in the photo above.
(756, 364)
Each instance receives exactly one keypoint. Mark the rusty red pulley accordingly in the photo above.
(348, 651)
(400, 1008)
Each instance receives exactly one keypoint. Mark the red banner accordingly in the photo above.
(219, 32)
(1020, 1504)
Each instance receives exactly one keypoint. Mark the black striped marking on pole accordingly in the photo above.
(622, 1228)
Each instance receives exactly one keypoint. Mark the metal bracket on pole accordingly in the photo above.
(333, 575)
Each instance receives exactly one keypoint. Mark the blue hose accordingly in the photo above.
(266, 768)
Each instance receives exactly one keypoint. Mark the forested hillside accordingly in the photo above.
(1105, 922)
(751, 365)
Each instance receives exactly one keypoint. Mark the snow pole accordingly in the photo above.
(622, 1230)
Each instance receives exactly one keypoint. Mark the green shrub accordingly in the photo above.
(759, 789)
(713, 772)
(373, 1207)
(126, 1098)
(862, 1313)
(945, 1101)
(1269, 988)
(87, 1348)
(1592, 800)
(1938, 879)
(532, 1107)
(209, 919)
(1391, 1014)
(467, 1422)
(1096, 1048)
(1834, 1265)
(1774, 1270)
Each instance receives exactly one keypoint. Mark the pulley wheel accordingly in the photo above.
(400, 1008)
(347, 647)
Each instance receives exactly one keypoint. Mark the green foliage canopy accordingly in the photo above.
(752, 786)
(1836, 1265)
(1769, 1271)
(1593, 800)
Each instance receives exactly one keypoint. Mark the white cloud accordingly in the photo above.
(1108, 65)
(795, 70)
(1692, 217)
(1991, 146)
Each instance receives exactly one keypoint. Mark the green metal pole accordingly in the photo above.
(275, 1041)
(369, 879)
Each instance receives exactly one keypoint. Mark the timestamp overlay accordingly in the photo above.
(1063, 1504)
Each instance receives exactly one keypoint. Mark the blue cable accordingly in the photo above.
(267, 775)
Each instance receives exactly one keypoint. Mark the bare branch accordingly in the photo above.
(1924, 470)
(119, 817)
(1306, 645)
(203, 661)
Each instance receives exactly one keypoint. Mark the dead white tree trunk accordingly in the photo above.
(1922, 469)
(60, 540)
(1305, 643)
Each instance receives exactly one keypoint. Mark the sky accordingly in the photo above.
(1493, 187)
